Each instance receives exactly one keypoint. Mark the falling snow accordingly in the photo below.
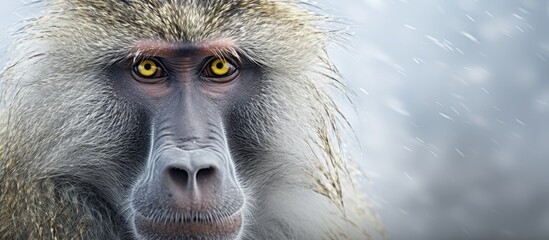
(467, 80)
(470, 37)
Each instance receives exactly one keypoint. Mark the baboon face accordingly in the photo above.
(188, 187)
(173, 114)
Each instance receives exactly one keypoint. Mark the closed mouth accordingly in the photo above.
(189, 225)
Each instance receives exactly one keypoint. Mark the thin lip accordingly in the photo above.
(223, 226)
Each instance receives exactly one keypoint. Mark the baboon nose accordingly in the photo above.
(186, 177)
(195, 176)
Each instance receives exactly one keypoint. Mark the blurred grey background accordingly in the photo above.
(451, 111)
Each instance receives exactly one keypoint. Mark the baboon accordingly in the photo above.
(175, 119)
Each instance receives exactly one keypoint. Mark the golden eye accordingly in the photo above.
(148, 69)
(221, 68)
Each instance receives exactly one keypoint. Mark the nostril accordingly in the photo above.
(205, 173)
(179, 176)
